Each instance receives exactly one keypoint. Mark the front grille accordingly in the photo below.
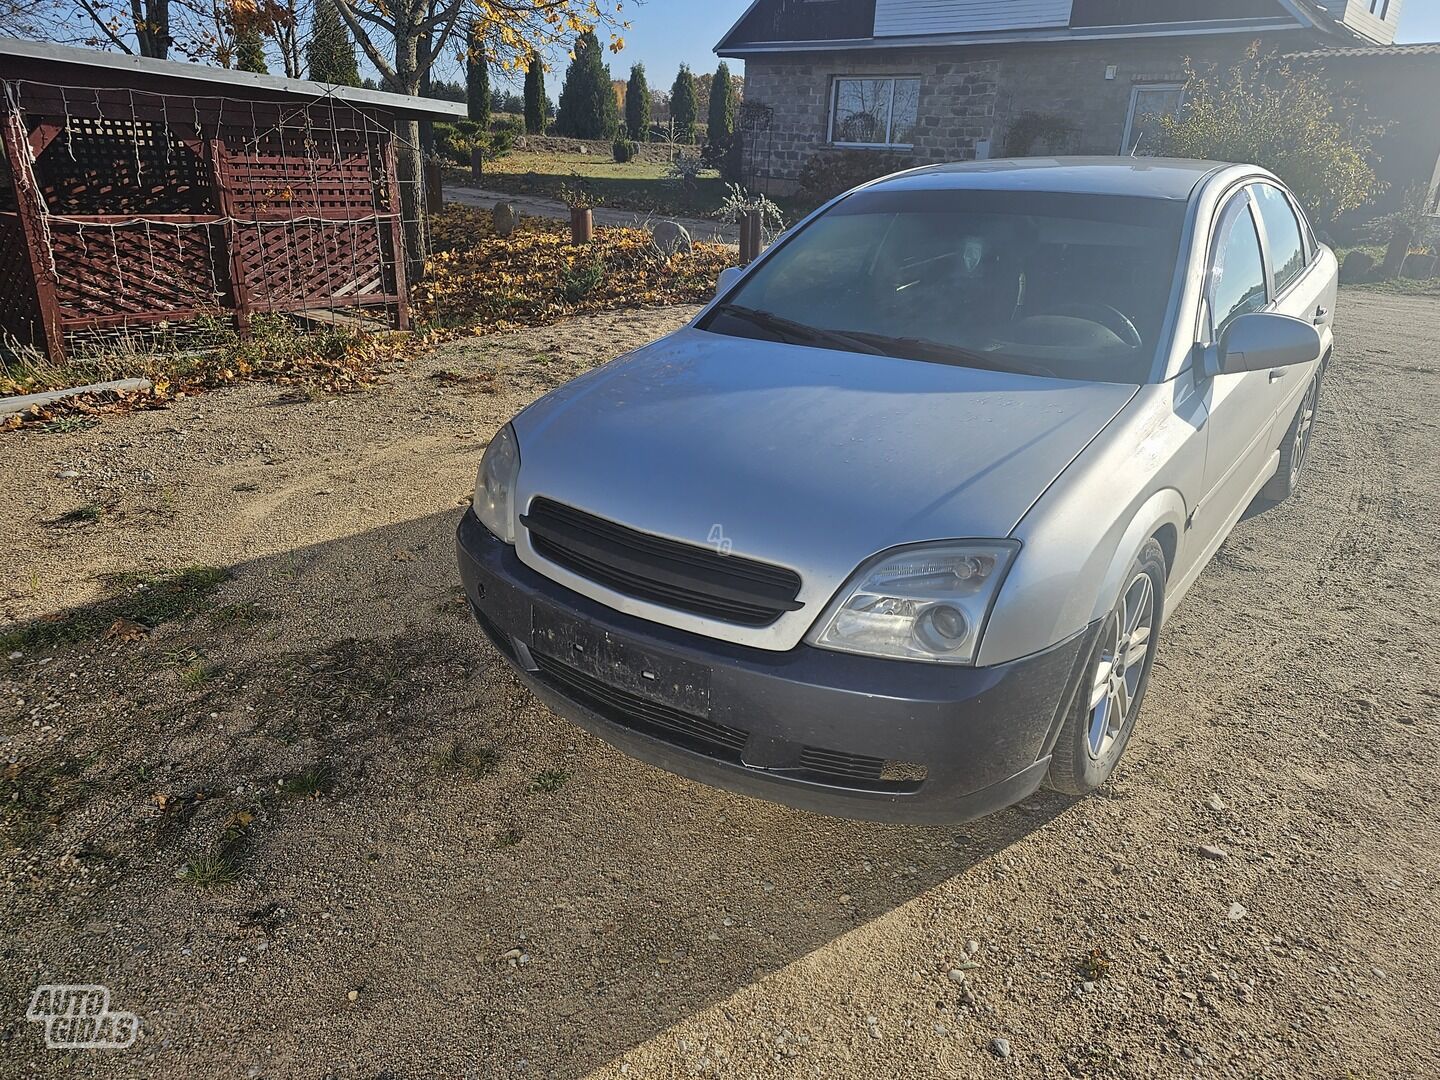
(720, 741)
(666, 572)
(640, 714)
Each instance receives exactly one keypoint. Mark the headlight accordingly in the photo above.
(495, 485)
(926, 602)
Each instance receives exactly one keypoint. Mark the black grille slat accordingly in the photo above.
(624, 708)
(667, 572)
(835, 763)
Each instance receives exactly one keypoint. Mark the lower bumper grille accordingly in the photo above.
(629, 710)
(720, 741)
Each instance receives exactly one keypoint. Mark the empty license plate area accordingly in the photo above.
(617, 662)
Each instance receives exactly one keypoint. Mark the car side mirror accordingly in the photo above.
(1260, 341)
(728, 277)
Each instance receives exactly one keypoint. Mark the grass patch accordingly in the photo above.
(208, 871)
(62, 425)
(81, 515)
(198, 673)
(222, 865)
(633, 185)
(310, 783)
(1095, 965)
(549, 781)
(151, 599)
(477, 761)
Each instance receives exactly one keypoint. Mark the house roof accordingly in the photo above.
(1425, 48)
(770, 26)
(32, 56)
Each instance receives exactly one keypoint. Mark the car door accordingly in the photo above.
(1241, 406)
(1299, 288)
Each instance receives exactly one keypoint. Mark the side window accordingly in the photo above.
(1287, 249)
(1237, 275)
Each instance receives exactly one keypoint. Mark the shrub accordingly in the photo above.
(685, 172)
(1265, 112)
(738, 202)
(580, 280)
(624, 150)
(828, 174)
(454, 141)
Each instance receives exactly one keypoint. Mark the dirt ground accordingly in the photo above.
(310, 826)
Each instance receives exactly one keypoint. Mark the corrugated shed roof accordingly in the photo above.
(239, 81)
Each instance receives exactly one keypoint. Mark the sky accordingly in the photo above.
(1420, 20)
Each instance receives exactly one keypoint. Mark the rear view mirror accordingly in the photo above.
(728, 277)
(1262, 340)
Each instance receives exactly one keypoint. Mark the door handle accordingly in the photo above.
(1276, 374)
(1320, 313)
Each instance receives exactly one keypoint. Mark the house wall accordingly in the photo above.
(957, 106)
(969, 95)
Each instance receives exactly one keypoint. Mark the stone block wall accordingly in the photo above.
(957, 107)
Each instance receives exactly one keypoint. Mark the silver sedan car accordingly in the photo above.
(890, 530)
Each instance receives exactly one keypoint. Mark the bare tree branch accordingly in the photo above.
(362, 38)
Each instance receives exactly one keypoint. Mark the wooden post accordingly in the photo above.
(582, 225)
(397, 238)
(30, 203)
(477, 164)
(751, 232)
(434, 189)
(225, 207)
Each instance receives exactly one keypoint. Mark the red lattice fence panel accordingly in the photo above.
(141, 271)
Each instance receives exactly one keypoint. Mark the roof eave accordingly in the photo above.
(400, 104)
(1057, 35)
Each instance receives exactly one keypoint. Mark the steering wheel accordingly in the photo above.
(1113, 319)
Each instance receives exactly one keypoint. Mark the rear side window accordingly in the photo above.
(1237, 280)
(1287, 249)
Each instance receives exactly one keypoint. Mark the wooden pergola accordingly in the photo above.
(142, 195)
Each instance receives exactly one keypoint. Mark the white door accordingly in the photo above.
(1301, 290)
(1241, 406)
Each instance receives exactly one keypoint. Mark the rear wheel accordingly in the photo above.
(1112, 686)
(1295, 449)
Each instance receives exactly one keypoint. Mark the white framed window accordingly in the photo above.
(1149, 102)
(874, 111)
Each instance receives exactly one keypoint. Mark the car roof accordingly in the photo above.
(1160, 178)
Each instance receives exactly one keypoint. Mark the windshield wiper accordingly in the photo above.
(925, 349)
(798, 333)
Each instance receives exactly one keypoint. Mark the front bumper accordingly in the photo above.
(815, 729)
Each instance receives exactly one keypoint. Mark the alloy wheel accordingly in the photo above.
(1125, 645)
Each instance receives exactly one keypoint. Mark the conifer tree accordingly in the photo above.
(682, 105)
(637, 105)
(587, 100)
(330, 53)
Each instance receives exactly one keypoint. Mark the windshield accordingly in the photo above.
(1072, 286)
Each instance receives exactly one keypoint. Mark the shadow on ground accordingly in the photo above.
(499, 891)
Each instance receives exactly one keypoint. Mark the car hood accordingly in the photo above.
(810, 458)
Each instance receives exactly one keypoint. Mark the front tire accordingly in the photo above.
(1113, 681)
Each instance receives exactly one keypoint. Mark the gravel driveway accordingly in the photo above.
(309, 825)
